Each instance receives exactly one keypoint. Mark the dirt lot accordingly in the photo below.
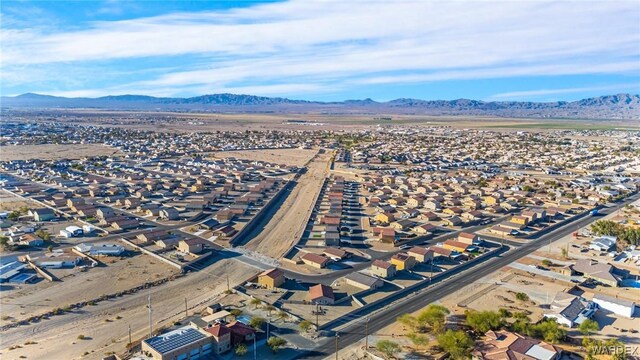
(54, 152)
(32, 299)
(10, 202)
(288, 223)
(295, 157)
(57, 338)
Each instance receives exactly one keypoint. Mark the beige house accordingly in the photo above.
(421, 254)
(383, 269)
(270, 279)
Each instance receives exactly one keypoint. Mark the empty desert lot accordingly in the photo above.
(295, 157)
(54, 151)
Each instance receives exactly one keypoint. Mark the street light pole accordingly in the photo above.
(366, 335)
(337, 336)
(255, 355)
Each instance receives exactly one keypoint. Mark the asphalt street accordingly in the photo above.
(355, 331)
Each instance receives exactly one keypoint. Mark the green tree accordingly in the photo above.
(241, 349)
(483, 321)
(269, 308)
(13, 216)
(547, 262)
(434, 316)
(256, 322)
(409, 321)
(255, 302)
(457, 343)
(282, 315)
(522, 296)
(4, 242)
(275, 343)
(549, 330)
(43, 235)
(418, 339)
(387, 348)
(305, 325)
(588, 327)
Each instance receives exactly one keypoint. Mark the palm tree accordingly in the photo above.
(282, 315)
(269, 308)
(256, 302)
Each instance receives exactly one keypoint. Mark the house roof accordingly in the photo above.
(319, 291)
(218, 330)
(174, 339)
(272, 273)
(382, 264)
(315, 258)
(362, 279)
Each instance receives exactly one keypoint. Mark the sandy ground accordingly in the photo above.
(296, 157)
(32, 299)
(54, 152)
(288, 223)
(57, 338)
(10, 202)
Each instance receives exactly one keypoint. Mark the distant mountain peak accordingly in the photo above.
(617, 106)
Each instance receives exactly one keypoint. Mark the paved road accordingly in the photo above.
(355, 332)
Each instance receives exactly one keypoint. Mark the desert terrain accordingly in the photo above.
(54, 151)
(288, 222)
(105, 325)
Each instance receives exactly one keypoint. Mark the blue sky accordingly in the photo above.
(323, 50)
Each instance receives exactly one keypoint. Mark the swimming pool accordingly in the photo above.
(632, 283)
(245, 319)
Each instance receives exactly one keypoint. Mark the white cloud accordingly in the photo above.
(352, 42)
(517, 95)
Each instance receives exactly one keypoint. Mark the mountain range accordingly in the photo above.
(620, 106)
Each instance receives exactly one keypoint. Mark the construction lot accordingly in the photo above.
(104, 326)
(290, 218)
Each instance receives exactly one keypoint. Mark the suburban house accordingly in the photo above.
(44, 214)
(603, 243)
(383, 269)
(321, 294)
(500, 345)
(467, 238)
(315, 260)
(270, 279)
(421, 254)
(617, 306)
(456, 245)
(570, 310)
(403, 261)
(221, 338)
(190, 246)
(362, 281)
(604, 273)
(184, 343)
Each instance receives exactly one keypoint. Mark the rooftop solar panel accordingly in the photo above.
(174, 339)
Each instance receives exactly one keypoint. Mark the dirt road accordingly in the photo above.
(290, 219)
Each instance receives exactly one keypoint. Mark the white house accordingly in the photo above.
(100, 249)
(570, 310)
(617, 306)
(603, 243)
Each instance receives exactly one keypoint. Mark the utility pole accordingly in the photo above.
(150, 323)
(255, 355)
(228, 287)
(337, 337)
(186, 309)
(129, 334)
(268, 323)
(366, 335)
(317, 312)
